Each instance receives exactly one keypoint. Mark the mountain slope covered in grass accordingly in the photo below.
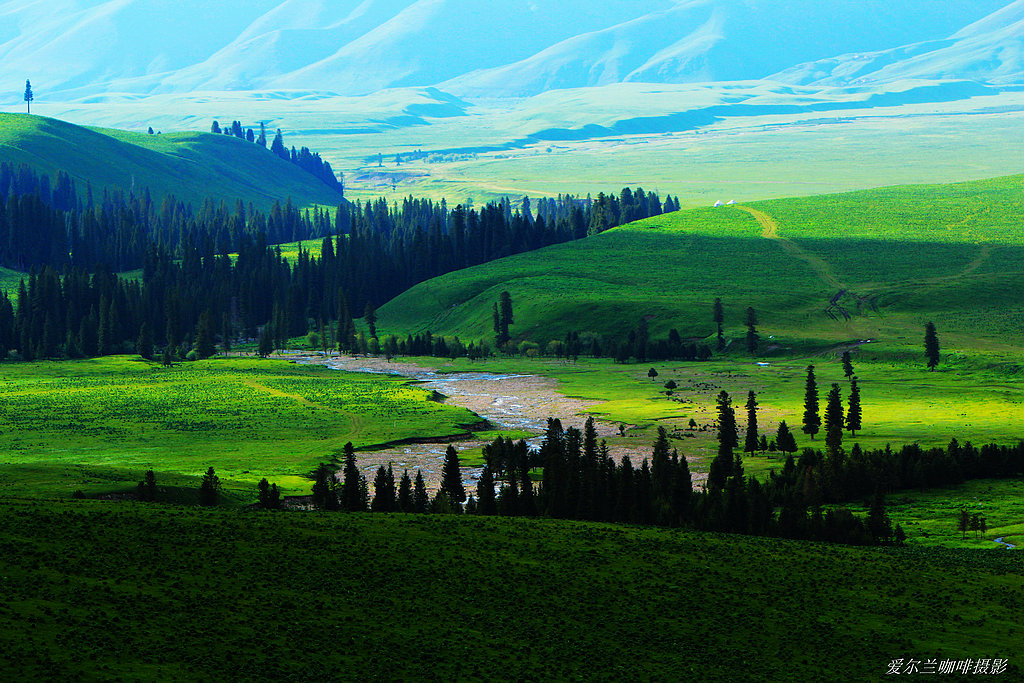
(190, 166)
(868, 264)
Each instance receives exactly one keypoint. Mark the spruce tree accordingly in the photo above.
(451, 477)
(812, 420)
(728, 438)
(847, 364)
(420, 499)
(29, 96)
(834, 418)
(405, 493)
(752, 337)
(751, 443)
(853, 413)
(931, 346)
(384, 490)
(352, 496)
(485, 493)
(209, 489)
(784, 439)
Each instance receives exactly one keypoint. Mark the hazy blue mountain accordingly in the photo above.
(79, 48)
(989, 50)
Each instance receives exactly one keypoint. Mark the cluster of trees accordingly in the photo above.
(311, 162)
(72, 245)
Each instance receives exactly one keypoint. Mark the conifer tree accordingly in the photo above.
(812, 420)
(931, 346)
(728, 438)
(262, 139)
(485, 493)
(209, 489)
(451, 477)
(352, 497)
(29, 96)
(752, 337)
(784, 439)
(405, 493)
(853, 413)
(847, 364)
(834, 418)
(751, 442)
(384, 490)
(420, 499)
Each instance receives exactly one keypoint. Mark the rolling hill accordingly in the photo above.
(869, 264)
(191, 166)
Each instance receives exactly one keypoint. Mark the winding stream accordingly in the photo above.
(507, 401)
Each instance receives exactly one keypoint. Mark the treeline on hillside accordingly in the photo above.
(580, 480)
(308, 161)
(71, 248)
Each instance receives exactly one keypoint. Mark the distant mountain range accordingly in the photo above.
(77, 49)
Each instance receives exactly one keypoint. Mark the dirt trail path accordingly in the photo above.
(770, 230)
(507, 401)
(277, 392)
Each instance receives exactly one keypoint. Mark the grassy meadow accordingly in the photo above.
(191, 166)
(400, 597)
(98, 425)
(891, 259)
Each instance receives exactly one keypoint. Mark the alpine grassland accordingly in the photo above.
(428, 597)
(189, 166)
(97, 425)
(818, 270)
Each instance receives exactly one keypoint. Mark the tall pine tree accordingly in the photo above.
(812, 418)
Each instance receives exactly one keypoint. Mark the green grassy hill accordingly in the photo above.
(333, 596)
(191, 166)
(891, 259)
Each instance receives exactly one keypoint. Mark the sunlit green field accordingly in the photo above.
(866, 265)
(89, 424)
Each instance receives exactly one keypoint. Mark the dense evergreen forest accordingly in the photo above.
(582, 481)
(192, 290)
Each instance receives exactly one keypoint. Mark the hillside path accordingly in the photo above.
(770, 230)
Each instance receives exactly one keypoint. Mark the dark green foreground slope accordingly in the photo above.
(102, 591)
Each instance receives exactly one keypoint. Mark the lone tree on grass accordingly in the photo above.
(28, 95)
(847, 365)
(931, 346)
(812, 420)
(147, 487)
(652, 373)
(752, 337)
(209, 489)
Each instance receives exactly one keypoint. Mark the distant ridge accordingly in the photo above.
(190, 166)
(83, 48)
